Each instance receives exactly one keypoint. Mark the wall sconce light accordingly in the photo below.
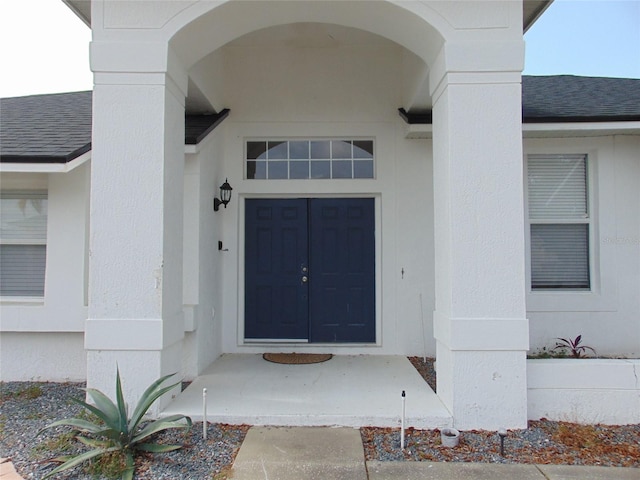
(225, 196)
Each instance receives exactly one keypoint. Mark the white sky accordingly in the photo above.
(44, 46)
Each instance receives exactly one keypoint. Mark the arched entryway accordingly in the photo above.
(460, 60)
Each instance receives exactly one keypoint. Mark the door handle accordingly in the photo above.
(305, 279)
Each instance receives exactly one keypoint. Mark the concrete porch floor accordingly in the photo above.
(351, 391)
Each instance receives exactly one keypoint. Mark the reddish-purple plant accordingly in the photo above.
(577, 350)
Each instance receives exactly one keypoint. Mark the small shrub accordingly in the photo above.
(115, 437)
(573, 346)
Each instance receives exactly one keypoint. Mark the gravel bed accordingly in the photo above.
(27, 407)
(544, 442)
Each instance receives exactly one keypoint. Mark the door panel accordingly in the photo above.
(329, 241)
(342, 286)
(276, 301)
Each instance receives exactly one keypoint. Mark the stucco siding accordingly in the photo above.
(64, 306)
(44, 357)
(607, 317)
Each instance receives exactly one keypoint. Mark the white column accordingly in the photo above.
(135, 281)
(480, 318)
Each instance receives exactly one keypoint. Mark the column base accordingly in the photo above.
(138, 369)
(483, 389)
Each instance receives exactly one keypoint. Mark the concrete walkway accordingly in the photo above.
(7, 472)
(294, 453)
(301, 453)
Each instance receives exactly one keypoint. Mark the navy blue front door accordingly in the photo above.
(310, 270)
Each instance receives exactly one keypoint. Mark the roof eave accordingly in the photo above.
(42, 164)
(46, 159)
(82, 8)
(580, 129)
(217, 120)
(582, 119)
(531, 11)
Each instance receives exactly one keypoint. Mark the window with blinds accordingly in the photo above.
(559, 221)
(23, 239)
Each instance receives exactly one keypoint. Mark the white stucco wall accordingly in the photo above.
(584, 390)
(43, 357)
(607, 317)
(64, 307)
(202, 274)
(35, 331)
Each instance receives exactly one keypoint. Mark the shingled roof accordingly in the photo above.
(45, 128)
(566, 98)
(56, 128)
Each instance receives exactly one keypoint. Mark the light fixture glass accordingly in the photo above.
(225, 196)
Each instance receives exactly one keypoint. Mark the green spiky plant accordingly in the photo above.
(115, 431)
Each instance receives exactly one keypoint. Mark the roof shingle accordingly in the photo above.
(567, 98)
(56, 128)
(52, 128)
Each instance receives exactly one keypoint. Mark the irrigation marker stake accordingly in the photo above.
(424, 341)
(503, 433)
(402, 421)
(204, 413)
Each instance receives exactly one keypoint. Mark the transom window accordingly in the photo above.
(23, 239)
(559, 222)
(309, 159)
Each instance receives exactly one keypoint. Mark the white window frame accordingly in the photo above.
(603, 295)
(329, 159)
(27, 194)
(587, 220)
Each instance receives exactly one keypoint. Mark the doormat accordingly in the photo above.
(297, 358)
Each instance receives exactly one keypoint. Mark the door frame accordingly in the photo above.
(241, 340)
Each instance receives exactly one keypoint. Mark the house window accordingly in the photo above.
(559, 221)
(308, 159)
(23, 243)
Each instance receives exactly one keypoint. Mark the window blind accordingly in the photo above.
(557, 186)
(23, 237)
(559, 221)
(22, 270)
(560, 256)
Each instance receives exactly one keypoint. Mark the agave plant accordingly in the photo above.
(573, 345)
(115, 431)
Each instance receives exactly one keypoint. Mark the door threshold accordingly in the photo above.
(251, 341)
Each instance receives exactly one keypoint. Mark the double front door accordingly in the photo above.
(310, 270)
